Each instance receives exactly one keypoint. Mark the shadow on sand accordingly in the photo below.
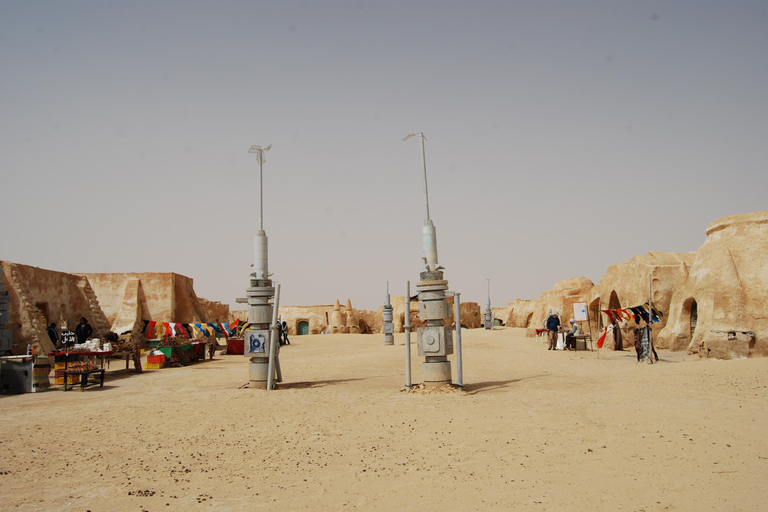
(315, 384)
(476, 387)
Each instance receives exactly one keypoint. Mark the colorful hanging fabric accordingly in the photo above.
(601, 340)
(182, 330)
(151, 328)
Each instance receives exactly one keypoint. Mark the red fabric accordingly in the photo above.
(199, 349)
(182, 330)
(167, 328)
(602, 339)
(235, 346)
(223, 330)
(151, 328)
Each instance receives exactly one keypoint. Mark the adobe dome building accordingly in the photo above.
(625, 285)
(720, 299)
(561, 299)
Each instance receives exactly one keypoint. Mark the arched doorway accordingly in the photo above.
(694, 317)
(302, 328)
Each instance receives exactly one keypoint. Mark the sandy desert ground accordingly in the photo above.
(532, 430)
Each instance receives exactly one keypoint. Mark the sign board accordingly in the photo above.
(255, 342)
(68, 338)
(580, 311)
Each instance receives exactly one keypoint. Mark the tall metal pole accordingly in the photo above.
(424, 163)
(650, 316)
(273, 340)
(457, 306)
(261, 190)
(407, 329)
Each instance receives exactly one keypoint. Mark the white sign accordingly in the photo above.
(580, 311)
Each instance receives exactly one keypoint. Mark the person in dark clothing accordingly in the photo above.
(553, 326)
(284, 332)
(51, 330)
(644, 332)
(619, 342)
(83, 330)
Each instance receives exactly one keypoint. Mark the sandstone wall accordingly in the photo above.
(519, 313)
(561, 299)
(39, 297)
(728, 283)
(214, 311)
(318, 317)
(627, 285)
(158, 296)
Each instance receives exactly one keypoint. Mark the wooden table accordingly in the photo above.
(84, 377)
(583, 337)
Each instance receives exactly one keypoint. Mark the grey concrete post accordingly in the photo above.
(407, 328)
(457, 306)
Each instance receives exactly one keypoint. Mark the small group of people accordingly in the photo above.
(82, 332)
(552, 324)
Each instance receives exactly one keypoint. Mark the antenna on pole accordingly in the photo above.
(424, 164)
(429, 234)
(260, 157)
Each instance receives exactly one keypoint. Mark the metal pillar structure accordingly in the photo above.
(387, 325)
(6, 336)
(488, 315)
(457, 337)
(434, 335)
(258, 342)
(407, 329)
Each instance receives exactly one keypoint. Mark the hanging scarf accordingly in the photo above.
(601, 340)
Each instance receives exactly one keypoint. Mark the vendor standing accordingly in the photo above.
(553, 326)
(53, 335)
(83, 330)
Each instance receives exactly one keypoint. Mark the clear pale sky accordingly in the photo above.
(562, 137)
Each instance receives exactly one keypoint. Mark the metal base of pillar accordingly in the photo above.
(389, 339)
(258, 370)
(436, 373)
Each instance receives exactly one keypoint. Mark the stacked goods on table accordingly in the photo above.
(126, 342)
(181, 353)
(155, 360)
(64, 362)
(75, 366)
